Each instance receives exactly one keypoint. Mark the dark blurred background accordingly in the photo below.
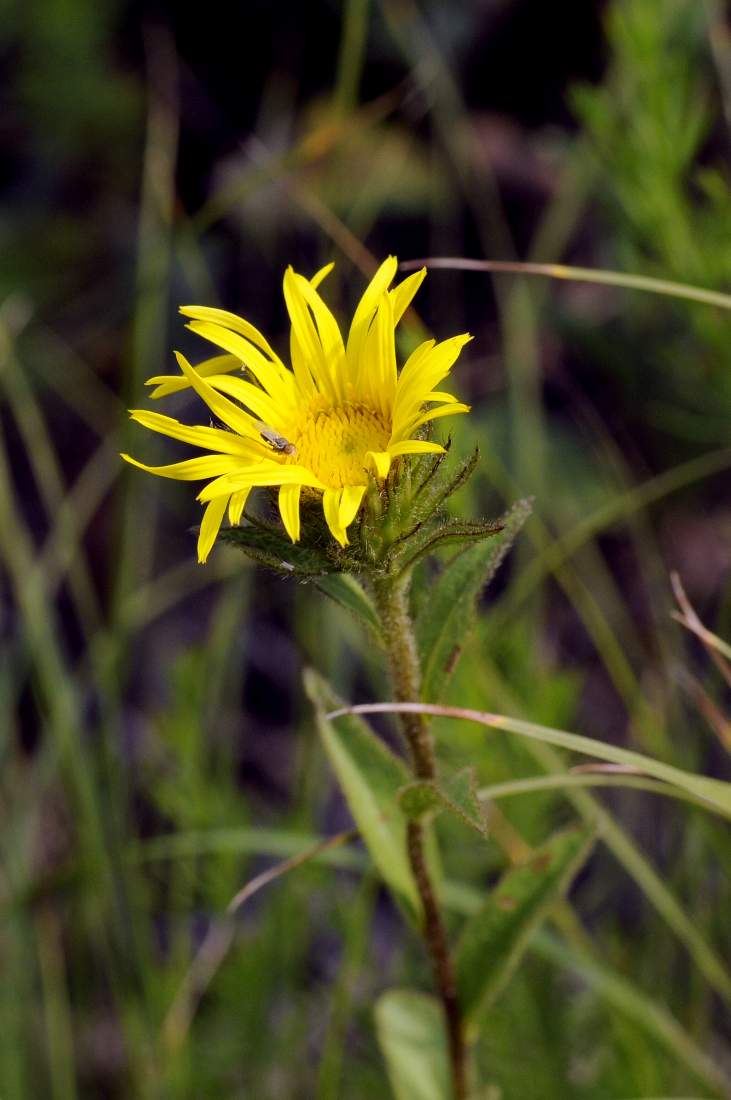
(155, 746)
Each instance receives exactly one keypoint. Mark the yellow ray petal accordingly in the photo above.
(441, 395)
(423, 370)
(307, 337)
(265, 473)
(209, 439)
(331, 507)
(193, 469)
(289, 509)
(403, 294)
(321, 274)
(328, 332)
(300, 366)
(350, 503)
(236, 324)
(210, 526)
(414, 362)
(426, 366)
(415, 447)
(259, 402)
(364, 313)
(376, 378)
(174, 383)
(236, 505)
(381, 461)
(276, 381)
(221, 407)
(431, 414)
(302, 373)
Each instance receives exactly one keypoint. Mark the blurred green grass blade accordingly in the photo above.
(495, 939)
(646, 1013)
(279, 843)
(333, 1070)
(351, 56)
(713, 792)
(639, 868)
(595, 619)
(42, 637)
(370, 777)
(151, 599)
(622, 506)
(565, 780)
(623, 847)
(154, 257)
(410, 1029)
(56, 1006)
(48, 478)
(74, 511)
(578, 274)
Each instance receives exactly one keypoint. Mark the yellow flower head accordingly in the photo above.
(342, 413)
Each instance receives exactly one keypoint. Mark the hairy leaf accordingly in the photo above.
(448, 614)
(370, 777)
(457, 795)
(495, 938)
(345, 590)
(435, 536)
(271, 549)
(440, 483)
(410, 1029)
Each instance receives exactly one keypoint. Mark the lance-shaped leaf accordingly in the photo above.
(440, 483)
(458, 795)
(415, 508)
(345, 590)
(447, 616)
(495, 938)
(271, 549)
(370, 777)
(410, 1029)
(436, 536)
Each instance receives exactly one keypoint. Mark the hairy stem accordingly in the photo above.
(391, 596)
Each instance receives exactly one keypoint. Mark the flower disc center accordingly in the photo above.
(333, 443)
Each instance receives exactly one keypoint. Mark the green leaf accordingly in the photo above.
(458, 795)
(440, 483)
(273, 550)
(345, 590)
(448, 614)
(494, 940)
(410, 1029)
(370, 777)
(436, 536)
(419, 798)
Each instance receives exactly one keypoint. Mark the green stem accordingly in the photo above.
(391, 597)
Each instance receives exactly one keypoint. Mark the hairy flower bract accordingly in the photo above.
(341, 414)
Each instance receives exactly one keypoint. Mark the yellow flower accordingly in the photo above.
(342, 413)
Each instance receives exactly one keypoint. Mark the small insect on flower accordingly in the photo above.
(278, 442)
(341, 415)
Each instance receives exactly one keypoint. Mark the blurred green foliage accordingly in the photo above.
(660, 139)
(156, 748)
